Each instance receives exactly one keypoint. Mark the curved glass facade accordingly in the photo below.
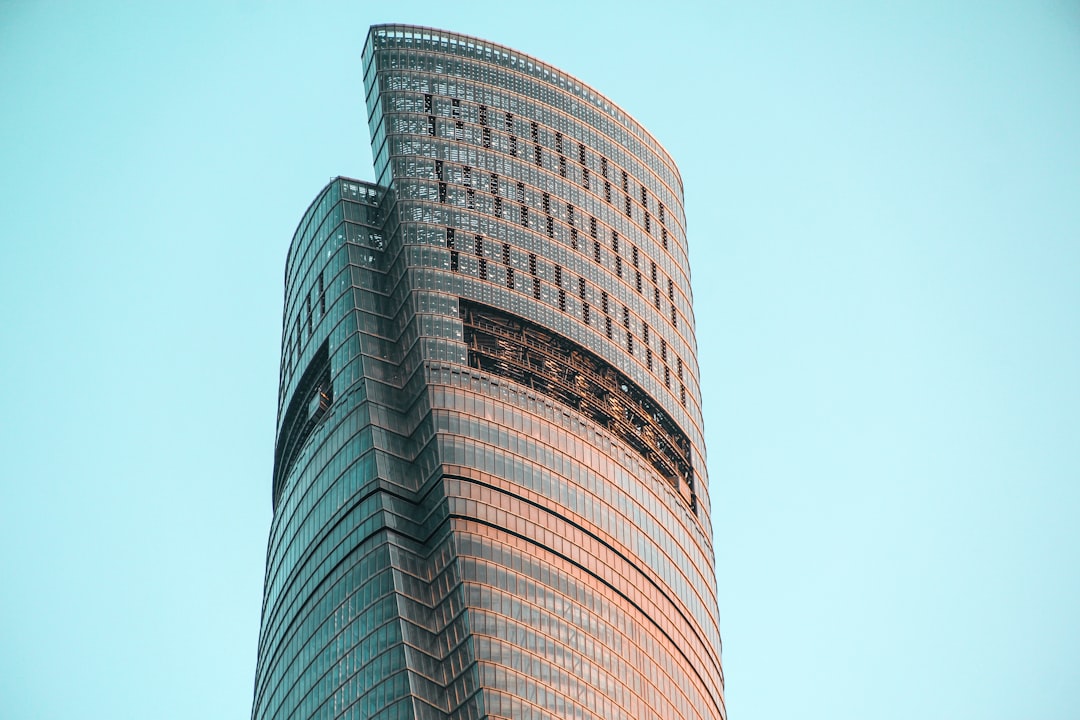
(490, 497)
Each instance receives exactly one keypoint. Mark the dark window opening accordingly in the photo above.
(312, 398)
(558, 368)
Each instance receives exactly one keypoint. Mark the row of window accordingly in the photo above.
(534, 284)
(511, 146)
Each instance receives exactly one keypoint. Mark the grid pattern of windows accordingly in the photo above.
(540, 469)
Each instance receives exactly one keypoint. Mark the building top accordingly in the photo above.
(467, 45)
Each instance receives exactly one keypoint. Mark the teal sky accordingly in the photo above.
(884, 214)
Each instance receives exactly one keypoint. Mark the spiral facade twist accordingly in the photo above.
(490, 496)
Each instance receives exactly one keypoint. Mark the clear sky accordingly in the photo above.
(884, 215)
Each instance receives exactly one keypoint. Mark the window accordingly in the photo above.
(596, 250)
(508, 122)
(427, 104)
(455, 108)
(483, 115)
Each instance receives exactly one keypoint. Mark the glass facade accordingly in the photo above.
(490, 497)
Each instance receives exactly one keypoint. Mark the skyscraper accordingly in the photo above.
(490, 497)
